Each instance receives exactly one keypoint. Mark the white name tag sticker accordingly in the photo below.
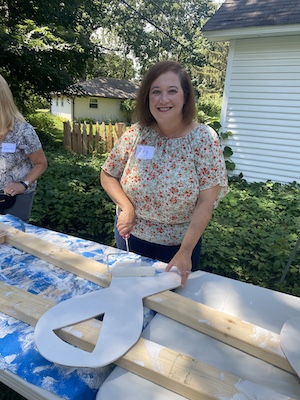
(8, 147)
(144, 152)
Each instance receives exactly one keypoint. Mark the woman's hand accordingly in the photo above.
(14, 188)
(182, 261)
(126, 220)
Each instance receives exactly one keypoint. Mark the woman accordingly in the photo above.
(22, 159)
(166, 173)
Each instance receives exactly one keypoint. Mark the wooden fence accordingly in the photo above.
(91, 138)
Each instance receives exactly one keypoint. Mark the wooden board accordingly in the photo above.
(168, 368)
(91, 270)
(239, 334)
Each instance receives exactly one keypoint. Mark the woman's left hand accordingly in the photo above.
(14, 188)
(183, 263)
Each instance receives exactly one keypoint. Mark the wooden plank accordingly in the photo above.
(91, 138)
(91, 270)
(239, 334)
(84, 139)
(242, 335)
(173, 370)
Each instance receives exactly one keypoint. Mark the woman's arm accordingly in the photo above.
(200, 218)
(40, 164)
(114, 190)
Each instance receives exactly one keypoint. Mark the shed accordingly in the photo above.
(99, 99)
(261, 102)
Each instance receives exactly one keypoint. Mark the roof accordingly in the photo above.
(254, 13)
(105, 87)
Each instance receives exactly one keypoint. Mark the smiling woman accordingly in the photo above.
(166, 173)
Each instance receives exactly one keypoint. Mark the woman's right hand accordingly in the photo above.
(126, 221)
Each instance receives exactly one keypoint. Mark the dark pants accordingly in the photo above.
(156, 251)
(22, 207)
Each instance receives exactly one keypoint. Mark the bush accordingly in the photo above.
(252, 234)
(209, 106)
(49, 129)
(69, 198)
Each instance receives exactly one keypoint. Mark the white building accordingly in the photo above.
(98, 99)
(261, 102)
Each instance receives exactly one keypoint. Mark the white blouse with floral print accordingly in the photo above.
(163, 176)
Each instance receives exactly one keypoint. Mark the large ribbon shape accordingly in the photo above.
(122, 306)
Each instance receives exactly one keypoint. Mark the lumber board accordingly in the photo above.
(239, 334)
(249, 338)
(168, 368)
(86, 268)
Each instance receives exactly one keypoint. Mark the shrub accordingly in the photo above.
(69, 198)
(49, 129)
(252, 234)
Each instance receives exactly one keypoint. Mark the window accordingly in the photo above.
(93, 103)
(62, 102)
(56, 101)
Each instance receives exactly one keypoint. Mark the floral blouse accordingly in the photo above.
(14, 161)
(163, 176)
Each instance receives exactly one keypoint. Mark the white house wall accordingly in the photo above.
(108, 109)
(62, 107)
(261, 107)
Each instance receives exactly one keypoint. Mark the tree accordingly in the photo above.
(44, 46)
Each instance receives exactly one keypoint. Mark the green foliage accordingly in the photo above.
(214, 122)
(69, 198)
(127, 106)
(209, 107)
(49, 129)
(43, 46)
(46, 46)
(252, 234)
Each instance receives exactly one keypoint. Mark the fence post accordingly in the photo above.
(109, 139)
(76, 142)
(97, 138)
(91, 138)
(67, 135)
(120, 129)
(84, 139)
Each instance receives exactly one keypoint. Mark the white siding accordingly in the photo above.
(108, 109)
(62, 107)
(261, 107)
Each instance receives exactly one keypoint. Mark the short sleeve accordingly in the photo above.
(117, 159)
(29, 140)
(211, 164)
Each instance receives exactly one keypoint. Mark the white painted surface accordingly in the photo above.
(258, 379)
(122, 323)
(62, 107)
(261, 107)
(289, 340)
(107, 110)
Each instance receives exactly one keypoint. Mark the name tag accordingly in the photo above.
(144, 152)
(8, 147)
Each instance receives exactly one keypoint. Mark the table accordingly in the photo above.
(262, 307)
(21, 366)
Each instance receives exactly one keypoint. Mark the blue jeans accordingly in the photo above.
(156, 251)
